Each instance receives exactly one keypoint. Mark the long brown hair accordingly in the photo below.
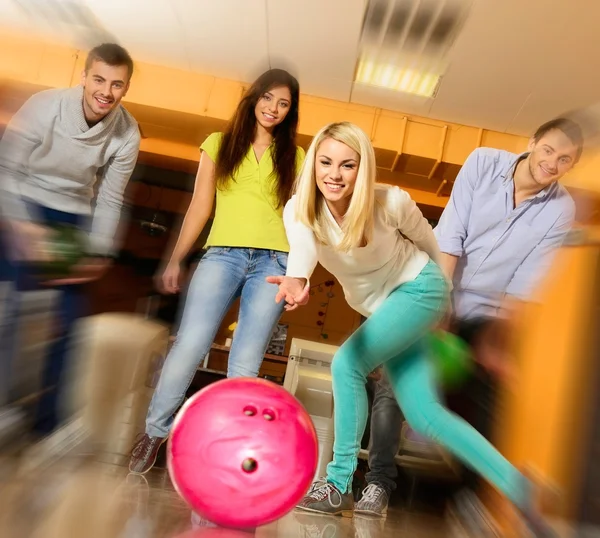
(241, 130)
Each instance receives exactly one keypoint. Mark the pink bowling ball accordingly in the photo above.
(242, 452)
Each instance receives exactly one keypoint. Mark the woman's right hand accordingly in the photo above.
(170, 278)
(291, 290)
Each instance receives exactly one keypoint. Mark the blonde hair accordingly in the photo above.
(357, 227)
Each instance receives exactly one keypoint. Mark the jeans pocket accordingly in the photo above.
(280, 259)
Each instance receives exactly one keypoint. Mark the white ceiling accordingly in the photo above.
(514, 65)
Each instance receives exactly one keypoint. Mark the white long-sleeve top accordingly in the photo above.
(401, 246)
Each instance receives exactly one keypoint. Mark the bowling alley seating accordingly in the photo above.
(118, 361)
(308, 378)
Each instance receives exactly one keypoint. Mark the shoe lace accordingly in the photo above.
(326, 491)
(142, 447)
(316, 484)
(372, 493)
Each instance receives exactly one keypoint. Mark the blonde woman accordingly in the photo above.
(375, 241)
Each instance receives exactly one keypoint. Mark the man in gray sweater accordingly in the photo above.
(66, 158)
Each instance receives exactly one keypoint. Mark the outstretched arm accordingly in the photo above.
(302, 260)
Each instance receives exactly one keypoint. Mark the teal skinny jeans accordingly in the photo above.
(394, 336)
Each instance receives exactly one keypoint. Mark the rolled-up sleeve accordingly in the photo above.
(536, 265)
(451, 230)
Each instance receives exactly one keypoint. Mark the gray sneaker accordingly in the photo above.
(325, 498)
(374, 501)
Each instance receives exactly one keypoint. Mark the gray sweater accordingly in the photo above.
(51, 157)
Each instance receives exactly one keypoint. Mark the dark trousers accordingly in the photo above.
(475, 402)
(71, 306)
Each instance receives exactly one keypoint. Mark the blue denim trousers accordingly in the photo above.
(71, 306)
(223, 275)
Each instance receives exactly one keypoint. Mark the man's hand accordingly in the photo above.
(493, 351)
(293, 290)
(447, 321)
(376, 374)
(26, 241)
(87, 270)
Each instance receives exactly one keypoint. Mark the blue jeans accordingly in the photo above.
(223, 275)
(71, 306)
(394, 336)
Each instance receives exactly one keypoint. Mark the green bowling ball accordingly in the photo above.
(65, 247)
(452, 358)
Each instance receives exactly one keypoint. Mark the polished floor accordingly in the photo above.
(100, 501)
(76, 497)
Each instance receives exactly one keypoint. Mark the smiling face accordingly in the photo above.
(336, 170)
(551, 157)
(103, 88)
(273, 106)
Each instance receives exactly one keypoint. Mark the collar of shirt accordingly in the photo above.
(76, 116)
(509, 184)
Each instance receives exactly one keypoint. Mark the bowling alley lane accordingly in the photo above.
(83, 495)
(77, 498)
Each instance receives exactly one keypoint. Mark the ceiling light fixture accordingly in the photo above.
(397, 78)
(404, 44)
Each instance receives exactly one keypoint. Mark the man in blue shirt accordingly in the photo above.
(505, 218)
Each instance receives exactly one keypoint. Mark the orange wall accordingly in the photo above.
(36, 62)
(25, 59)
(547, 414)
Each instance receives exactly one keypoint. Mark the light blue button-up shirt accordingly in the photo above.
(502, 250)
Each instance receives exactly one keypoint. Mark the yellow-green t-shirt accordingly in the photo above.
(246, 214)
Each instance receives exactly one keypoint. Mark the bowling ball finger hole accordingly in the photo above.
(268, 414)
(249, 465)
(250, 411)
